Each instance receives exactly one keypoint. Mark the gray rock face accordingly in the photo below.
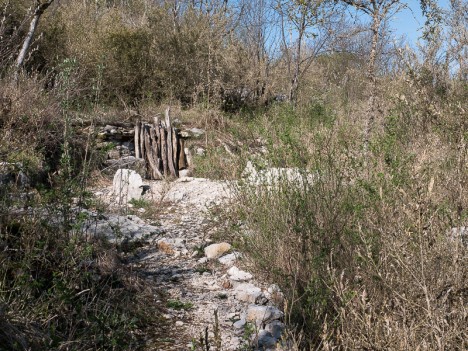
(261, 300)
(192, 133)
(276, 328)
(11, 173)
(118, 228)
(127, 185)
(239, 324)
(262, 314)
(266, 340)
(198, 193)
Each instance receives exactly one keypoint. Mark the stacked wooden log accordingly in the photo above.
(161, 146)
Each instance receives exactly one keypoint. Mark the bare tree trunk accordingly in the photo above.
(38, 11)
(283, 39)
(182, 159)
(297, 65)
(155, 152)
(378, 10)
(371, 73)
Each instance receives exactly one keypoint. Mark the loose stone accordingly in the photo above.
(262, 314)
(216, 250)
(237, 275)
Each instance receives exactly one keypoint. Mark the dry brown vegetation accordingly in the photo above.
(365, 253)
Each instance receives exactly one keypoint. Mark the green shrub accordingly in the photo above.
(56, 288)
(126, 63)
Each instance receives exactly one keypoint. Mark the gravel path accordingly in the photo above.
(174, 258)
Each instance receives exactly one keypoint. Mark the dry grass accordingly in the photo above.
(363, 253)
(58, 290)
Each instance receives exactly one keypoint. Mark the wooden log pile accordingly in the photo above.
(161, 146)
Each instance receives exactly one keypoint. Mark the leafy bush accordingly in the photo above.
(58, 289)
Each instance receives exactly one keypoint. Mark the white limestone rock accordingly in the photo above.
(214, 251)
(229, 259)
(239, 324)
(117, 228)
(192, 133)
(247, 292)
(262, 314)
(237, 275)
(127, 185)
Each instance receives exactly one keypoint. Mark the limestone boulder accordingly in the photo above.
(117, 228)
(127, 185)
(214, 251)
(238, 275)
(262, 314)
(247, 292)
(229, 259)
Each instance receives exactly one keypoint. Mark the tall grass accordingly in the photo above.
(363, 251)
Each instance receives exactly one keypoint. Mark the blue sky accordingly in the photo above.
(408, 23)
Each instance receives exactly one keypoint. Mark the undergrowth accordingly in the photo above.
(362, 248)
(59, 288)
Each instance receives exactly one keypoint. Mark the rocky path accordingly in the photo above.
(209, 296)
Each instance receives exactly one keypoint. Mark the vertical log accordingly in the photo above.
(170, 160)
(157, 127)
(154, 141)
(137, 140)
(145, 140)
(182, 160)
(162, 132)
(142, 140)
(150, 158)
(154, 154)
(175, 150)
